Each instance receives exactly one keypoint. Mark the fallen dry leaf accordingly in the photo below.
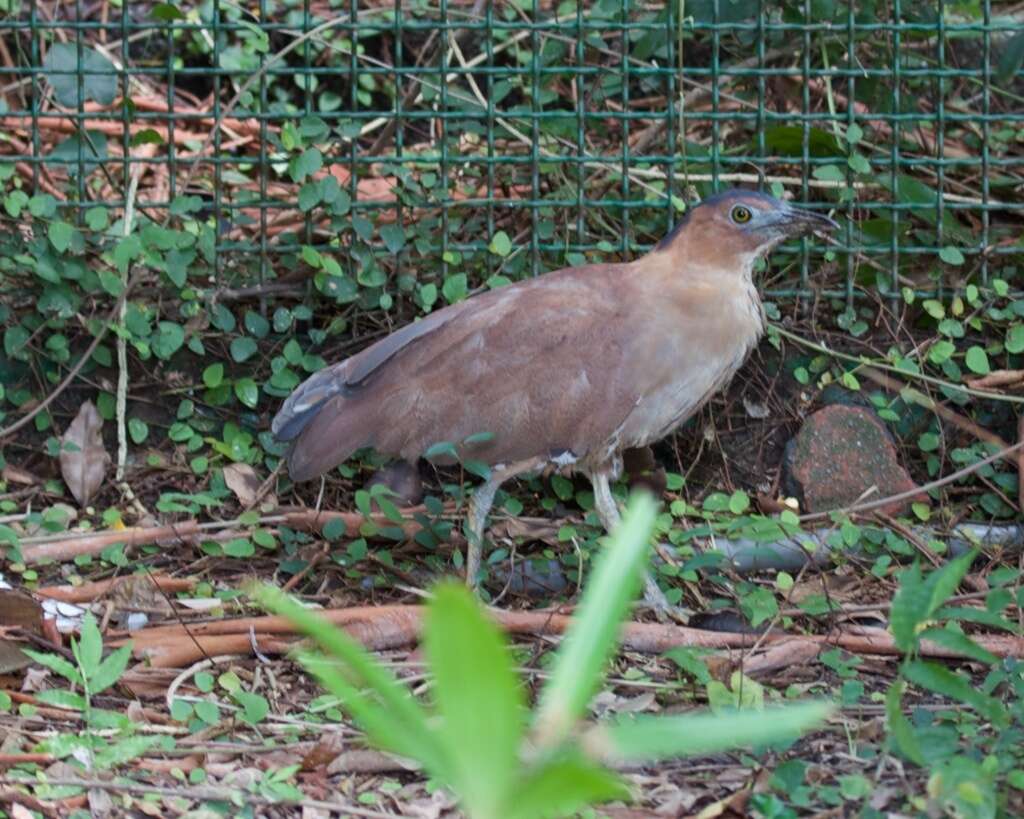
(15, 474)
(83, 460)
(17, 611)
(996, 379)
(243, 481)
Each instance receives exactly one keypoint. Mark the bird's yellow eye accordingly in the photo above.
(741, 215)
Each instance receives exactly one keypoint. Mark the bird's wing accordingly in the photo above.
(306, 401)
(540, 365)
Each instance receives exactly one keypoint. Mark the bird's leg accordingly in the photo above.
(480, 507)
(608, 512)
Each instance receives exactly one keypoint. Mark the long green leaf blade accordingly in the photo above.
(392, 718)
(648, 738)
(942, 681)
(901, 731)
(479, 698)
(563, 786)
(594, 635)
(943, 582)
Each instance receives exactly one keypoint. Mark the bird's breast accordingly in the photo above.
(694, 351)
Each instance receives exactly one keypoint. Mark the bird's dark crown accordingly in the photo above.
(721, 200)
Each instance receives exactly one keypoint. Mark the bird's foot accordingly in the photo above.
(655, 600)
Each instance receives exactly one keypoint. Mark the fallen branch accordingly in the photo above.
(70, 548)
(997, 379)
(87, 592)
(381, 628)
(312, 520)
(6, 760)
(74, 544)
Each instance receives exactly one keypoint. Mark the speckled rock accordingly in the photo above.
(838, 455)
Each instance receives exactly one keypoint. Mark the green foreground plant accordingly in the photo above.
(968, 752)
(482, 741)
(110, 738)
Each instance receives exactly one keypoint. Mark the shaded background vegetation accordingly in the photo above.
(303, 177)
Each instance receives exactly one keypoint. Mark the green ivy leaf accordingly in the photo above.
(168, 339)
(976, 360)
(501, 245)
(1011, 59)
(256, 325)
(63, 68)
(213, 375)
(941, 351)
(951, 255)
(14, 202)
(60, 235)
(96, 218)
(309, 196)
(111, 282)
(306, 164)
(42, 206)
(394, 237)
(242, 349)
(129, 248)
(829, 173)
(1015, 339)
(247, 392)
(739, 502)
(138, 430)
(859, 163)
(182, 205)
(455, 288)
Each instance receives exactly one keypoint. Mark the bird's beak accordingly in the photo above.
(800, 221)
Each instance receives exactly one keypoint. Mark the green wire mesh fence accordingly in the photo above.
(421, 148)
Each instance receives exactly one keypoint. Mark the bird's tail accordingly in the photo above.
(306, 401)
(324, 422)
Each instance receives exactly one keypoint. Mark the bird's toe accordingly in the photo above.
(655, 600)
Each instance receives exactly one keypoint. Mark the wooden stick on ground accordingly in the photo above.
(381, 628)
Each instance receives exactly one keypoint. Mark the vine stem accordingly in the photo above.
(867, 362)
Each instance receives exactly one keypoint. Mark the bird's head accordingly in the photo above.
(736, 227)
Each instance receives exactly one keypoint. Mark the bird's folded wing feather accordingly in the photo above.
(542, 365)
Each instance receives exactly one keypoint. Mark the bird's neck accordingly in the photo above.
(700, 285)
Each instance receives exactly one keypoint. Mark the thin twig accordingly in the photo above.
(122, 343)
(945, 413)
(821, 348)
(42, 405)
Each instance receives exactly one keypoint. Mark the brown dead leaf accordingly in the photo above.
(83, 460)
(19, 811)
(837, 588)
(15, 474)
(1007, 379)
(541, 529)
(17, 611)
(243, 481)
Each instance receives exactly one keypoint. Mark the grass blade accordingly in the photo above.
(594, 635)
(388, 714)
(648, 738)
(478, 696)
